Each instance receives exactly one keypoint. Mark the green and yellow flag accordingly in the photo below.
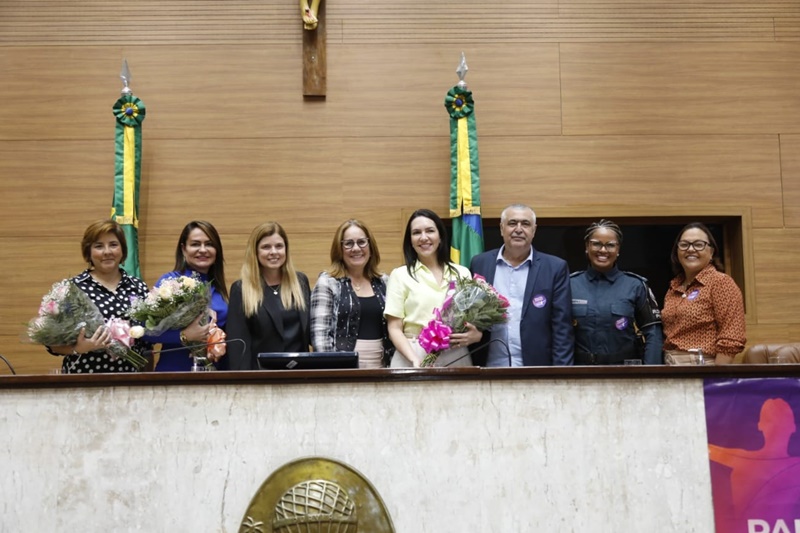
(129, 112)
(465, 187)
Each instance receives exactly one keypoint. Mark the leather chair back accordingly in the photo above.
(762, 354)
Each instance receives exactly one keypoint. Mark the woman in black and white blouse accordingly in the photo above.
(348, 301)
(104, 248)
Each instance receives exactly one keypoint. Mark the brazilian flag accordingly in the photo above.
(465, 187)
(129, 112)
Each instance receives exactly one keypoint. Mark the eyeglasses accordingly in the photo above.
(597, 245)
(697, 245)
(350, 243)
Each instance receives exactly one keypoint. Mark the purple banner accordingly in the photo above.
(754, 452)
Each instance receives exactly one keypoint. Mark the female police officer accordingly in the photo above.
(609, 306)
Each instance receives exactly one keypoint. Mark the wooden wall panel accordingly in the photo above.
(644, 170)
(277, 22)
(54, 188)
(787, 29)
(777, 283)
(30, 267)
(682, 88)
(244, 92)
(244, 181)
(790, 171)
(111, 22)
(383, 92)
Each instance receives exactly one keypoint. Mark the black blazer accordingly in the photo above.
(262, 332)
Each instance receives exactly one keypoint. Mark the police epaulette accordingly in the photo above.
(634, 275)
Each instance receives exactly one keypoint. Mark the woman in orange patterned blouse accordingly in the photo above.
(703, 307)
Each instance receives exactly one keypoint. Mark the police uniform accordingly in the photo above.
(606, 310)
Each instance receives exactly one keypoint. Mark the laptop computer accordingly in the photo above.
(307, 360)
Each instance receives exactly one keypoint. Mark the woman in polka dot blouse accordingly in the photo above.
(104, 248)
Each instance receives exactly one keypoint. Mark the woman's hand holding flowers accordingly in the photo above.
(196, 333)
(97, 342)
(471, 336)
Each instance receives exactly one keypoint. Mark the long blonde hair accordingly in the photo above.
(292, 296)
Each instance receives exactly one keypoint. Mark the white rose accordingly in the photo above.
(189, 283)
(165, 291)
(137, 332)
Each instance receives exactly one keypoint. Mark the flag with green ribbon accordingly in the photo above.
(465, 187)
(129, 112)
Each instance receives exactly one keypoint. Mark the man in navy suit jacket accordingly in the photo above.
(539, 331)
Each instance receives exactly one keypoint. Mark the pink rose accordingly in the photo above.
(50, 307)
(478, 277)
(120, 331)
(504, 303)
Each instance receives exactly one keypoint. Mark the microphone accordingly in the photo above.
(148, 353)
(9, 365)
(482, 346)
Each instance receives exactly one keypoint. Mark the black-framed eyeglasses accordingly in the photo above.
(610, 246)
(697, 245)
(350, 243)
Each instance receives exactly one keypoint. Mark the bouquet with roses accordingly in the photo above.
(472, 301)
(66, 309)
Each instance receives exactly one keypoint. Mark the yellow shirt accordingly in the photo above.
(414, 300)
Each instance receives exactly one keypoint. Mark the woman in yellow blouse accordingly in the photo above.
(414, 290)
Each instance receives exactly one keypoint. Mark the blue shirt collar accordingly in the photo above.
(502, 259)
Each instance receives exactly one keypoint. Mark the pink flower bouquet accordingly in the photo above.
(469, 301)
(66, 309)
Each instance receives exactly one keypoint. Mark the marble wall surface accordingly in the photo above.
(460, 456)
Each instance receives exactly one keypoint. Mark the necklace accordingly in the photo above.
(275, 289)
(356, 286)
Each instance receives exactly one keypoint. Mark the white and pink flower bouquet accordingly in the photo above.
(472, 301)
(66, 309)
(175, 304)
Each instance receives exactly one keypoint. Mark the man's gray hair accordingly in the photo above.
(517, 206)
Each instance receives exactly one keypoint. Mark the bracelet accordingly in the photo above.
(184, 341)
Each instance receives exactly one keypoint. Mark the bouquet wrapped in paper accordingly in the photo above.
(66, 309)
(175, 304)
(472, 301)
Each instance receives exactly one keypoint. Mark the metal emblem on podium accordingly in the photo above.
(316, 495)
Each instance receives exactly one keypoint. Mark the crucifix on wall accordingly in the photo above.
(314, 53)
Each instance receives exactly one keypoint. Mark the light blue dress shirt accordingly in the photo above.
(509, 281)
